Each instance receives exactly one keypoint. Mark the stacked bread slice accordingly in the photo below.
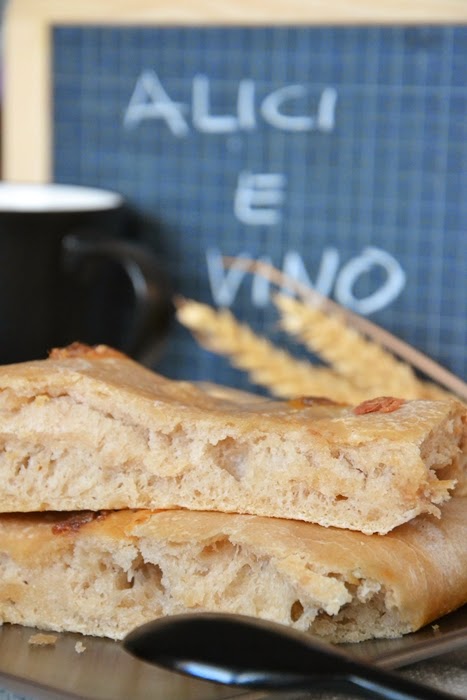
(127, 496)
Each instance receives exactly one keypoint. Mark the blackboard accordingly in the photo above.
(338, 153)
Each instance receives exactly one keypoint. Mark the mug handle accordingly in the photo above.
(153, 297)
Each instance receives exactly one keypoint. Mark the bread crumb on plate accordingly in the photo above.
(42, 640)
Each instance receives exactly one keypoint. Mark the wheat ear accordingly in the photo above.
(361, 361)
(451, 385)
(283, 375)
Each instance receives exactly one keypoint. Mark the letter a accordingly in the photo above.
(150, 101)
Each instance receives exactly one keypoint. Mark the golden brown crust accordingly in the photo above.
(75, 521)
(77, 349)
(133, 566)
(304, 401)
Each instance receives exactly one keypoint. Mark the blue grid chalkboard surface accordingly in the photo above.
(337, 153)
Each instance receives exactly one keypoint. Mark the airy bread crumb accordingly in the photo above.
(97, 431)
(119, 570)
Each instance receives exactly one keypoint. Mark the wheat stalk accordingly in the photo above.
(404, 380)
(361, 361)
(268, 366)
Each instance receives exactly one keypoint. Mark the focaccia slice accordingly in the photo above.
(90, 429)
(103, 574)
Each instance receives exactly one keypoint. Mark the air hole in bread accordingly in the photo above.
(296, 611)
(144, 577)
(150, 572)
(350, 623)
(177, 437)
(230, 455)
(217, 547)
(122, 582)
(220, 552)
(340, 497)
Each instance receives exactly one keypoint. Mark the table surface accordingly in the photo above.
(448, 672)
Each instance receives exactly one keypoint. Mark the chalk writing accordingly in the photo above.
(209, 123)
(151, 101)
(352, 271)
(324, 120)
(258, 197)
(331, 278)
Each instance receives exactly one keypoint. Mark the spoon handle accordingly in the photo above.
(383, 684)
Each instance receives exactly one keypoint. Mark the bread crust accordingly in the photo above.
(89, 429)
(103, 574)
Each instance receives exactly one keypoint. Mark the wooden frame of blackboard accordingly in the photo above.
(27, 91)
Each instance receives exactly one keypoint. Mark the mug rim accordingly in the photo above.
(53, 197)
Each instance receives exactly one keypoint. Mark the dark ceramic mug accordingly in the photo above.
(69, 272)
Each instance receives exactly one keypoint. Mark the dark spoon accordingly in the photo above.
(252, 653)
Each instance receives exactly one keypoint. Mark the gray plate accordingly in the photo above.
(104, 671)
(443, 636)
